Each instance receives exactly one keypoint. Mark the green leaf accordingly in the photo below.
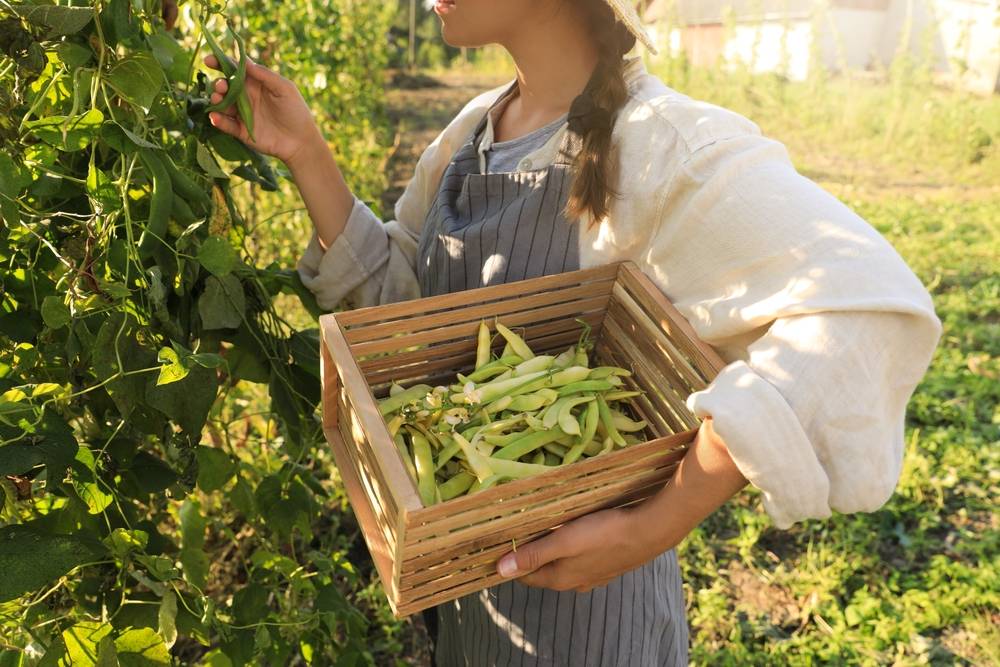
(67, 133)
(121, 338)
(250, 604)
(138, 78)
(207, 360)
(283, 508)
(172, 57)
(85, 483)
(141, 647)
(31, 559)
(122, 542)
(74, 55)
(13, 179)
(187, 401)
(208, 163)
(102, 189)
(194, 560)
(218, 256)
(149, 474)
(17, 459)
(55, 314)
(215, 468)
(172, 369)
(222, 304)
(242, 498)
(82, 641)
(58, 20)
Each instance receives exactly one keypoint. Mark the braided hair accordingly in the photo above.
(592, 114)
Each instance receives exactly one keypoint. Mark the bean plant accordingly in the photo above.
(131, 309)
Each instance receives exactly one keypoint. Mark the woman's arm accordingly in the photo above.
(594, 549)
(323, 189)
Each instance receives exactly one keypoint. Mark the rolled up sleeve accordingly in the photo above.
(812, 406)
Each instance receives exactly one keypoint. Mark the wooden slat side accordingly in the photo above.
(615, 357)
(376, 432)
(512, 527)
(511, 495)
(605, 275)
(643, 325)
(452, 524)
(381, 553)
(424, 597)
(685, 381)
(670, 320)
(480, 533)
(474, 313)
(470, 329)
(328, 374)
(371, 474)
(658, 388)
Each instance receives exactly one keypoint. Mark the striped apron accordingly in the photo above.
(489, 229)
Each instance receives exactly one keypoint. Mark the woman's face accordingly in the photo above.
(475, 23)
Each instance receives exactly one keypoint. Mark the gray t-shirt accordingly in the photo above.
(504, 156)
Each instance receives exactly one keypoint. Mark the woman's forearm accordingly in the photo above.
(704, 481)
(323, 188)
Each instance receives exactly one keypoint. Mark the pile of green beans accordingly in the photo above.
(513, 416)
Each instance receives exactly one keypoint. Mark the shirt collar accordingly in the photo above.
(634, 69)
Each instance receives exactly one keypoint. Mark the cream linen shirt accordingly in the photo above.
(825, 329)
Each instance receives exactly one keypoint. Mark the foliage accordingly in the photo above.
(133, 324)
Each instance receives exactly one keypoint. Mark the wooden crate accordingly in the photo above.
(429, 555)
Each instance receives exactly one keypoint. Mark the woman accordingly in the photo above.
(585, 159)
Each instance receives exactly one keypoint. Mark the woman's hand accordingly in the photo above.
(283, 125)
(583, 554)
(594, 549)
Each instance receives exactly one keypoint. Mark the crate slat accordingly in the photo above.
(473, 314)
(404, 309)
(470, 329)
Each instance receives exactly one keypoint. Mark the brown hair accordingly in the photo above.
(593, 113)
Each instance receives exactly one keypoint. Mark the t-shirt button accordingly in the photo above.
(525, 164)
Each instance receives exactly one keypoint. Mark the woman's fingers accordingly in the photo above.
(227, 124)
(221, 86)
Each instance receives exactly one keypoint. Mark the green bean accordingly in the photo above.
(527, 444)
(539, 457)
(425, 467)
(591, 417)
(538, 363)
(608, 422)
(624, 424)
(487, 483)
(570, 375)
(492, 369)
(517, 343)
(393, 403)
(567, 422)
(526, 402)
(585, 385)
(556, 449)
(457, 485)
(602, 372)
(500, 388)
(243, 105)
(404, 454)
(620, 395)
(181, 212)
(483, 348)
(160, 203)
(447, 454)
(184, 186)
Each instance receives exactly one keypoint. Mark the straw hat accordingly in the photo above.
(626, 13)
